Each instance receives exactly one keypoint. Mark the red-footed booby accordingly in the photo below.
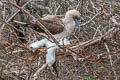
(71, 20)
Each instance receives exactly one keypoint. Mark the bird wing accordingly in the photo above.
(53, 23)
(53, 18)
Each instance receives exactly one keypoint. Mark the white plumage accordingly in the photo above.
(37, 44)
(50, 56)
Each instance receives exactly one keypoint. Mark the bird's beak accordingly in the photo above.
(77, 22)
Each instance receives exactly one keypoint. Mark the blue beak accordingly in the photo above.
(77, 22)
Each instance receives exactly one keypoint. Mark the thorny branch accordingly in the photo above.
(2, 27)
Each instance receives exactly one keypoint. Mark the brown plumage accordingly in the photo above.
(51, 22)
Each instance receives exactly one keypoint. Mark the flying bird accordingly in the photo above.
(65, 28)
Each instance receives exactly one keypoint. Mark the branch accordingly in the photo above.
(2, 27)
(90, 19)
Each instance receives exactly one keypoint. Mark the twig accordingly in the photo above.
(90, 19)
(4, 11)
(23, 23)
(1, 71)
(97, 39)
(110, 57)
(36, 75)
(2, 27)
(10, 26)
(56, 11)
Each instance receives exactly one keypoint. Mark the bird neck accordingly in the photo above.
(69, 24)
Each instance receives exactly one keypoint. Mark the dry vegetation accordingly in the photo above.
(97, 44)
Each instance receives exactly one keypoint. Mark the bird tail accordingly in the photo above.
(54, 69)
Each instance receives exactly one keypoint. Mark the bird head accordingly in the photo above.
(75, 15)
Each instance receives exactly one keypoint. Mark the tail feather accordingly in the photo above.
(54, 68)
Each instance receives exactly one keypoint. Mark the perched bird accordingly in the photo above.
(58, 24)
(71, 20)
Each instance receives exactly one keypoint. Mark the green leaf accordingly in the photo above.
(101, 68)
(38, 12)
(102, 30)
(88, 78)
